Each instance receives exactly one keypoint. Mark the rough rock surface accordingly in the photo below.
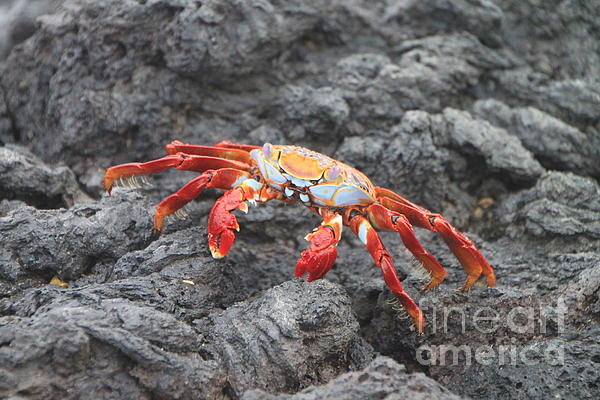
(382, 378)
(17, 19)
(485, 111)
(24, 177)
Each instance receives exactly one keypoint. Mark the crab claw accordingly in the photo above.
(320, 257)
(221, 222)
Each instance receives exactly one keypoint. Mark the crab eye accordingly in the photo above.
(267, 150)
(333, 172)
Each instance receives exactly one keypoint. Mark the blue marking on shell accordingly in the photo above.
(348, 195)
(274, 175)
(340, 195)
(324, 192)
(260, 161)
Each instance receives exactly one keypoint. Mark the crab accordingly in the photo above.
(338, 193)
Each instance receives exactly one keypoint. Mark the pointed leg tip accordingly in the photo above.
(158, 224)
(433, 283)
(420, 324)
(216, 254)
(108, 185)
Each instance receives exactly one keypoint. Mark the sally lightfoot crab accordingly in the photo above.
(340, 194)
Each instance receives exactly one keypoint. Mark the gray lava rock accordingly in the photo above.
(549, 234)
(295, 335)
(135, 351)
(5, 122)
(17, 17)
(382, 378)
(463, 107)
(573, 100)
(556, 144)
(541, 34)
(560, 204)
(40, 244)
(397, 20)
(25, 177)
(291, 336)
(502, 153)
(559, 368)
(323, 108)
(426, 74)
(125, 89)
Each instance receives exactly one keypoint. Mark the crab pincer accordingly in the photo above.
(320, 257)
(222, 223)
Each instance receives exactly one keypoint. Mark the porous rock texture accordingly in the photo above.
(487, 111)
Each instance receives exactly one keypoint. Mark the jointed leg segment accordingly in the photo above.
(367, 234)
(225, 178)
(387, 220)
(186, 162)
(465, 251)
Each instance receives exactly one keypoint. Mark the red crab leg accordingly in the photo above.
(232, 145)
(384, 219)
(221, 222)
(465, 251)
(224, 178)
(179, 161)
(367, 234)
(319, 258)
(229, 153)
